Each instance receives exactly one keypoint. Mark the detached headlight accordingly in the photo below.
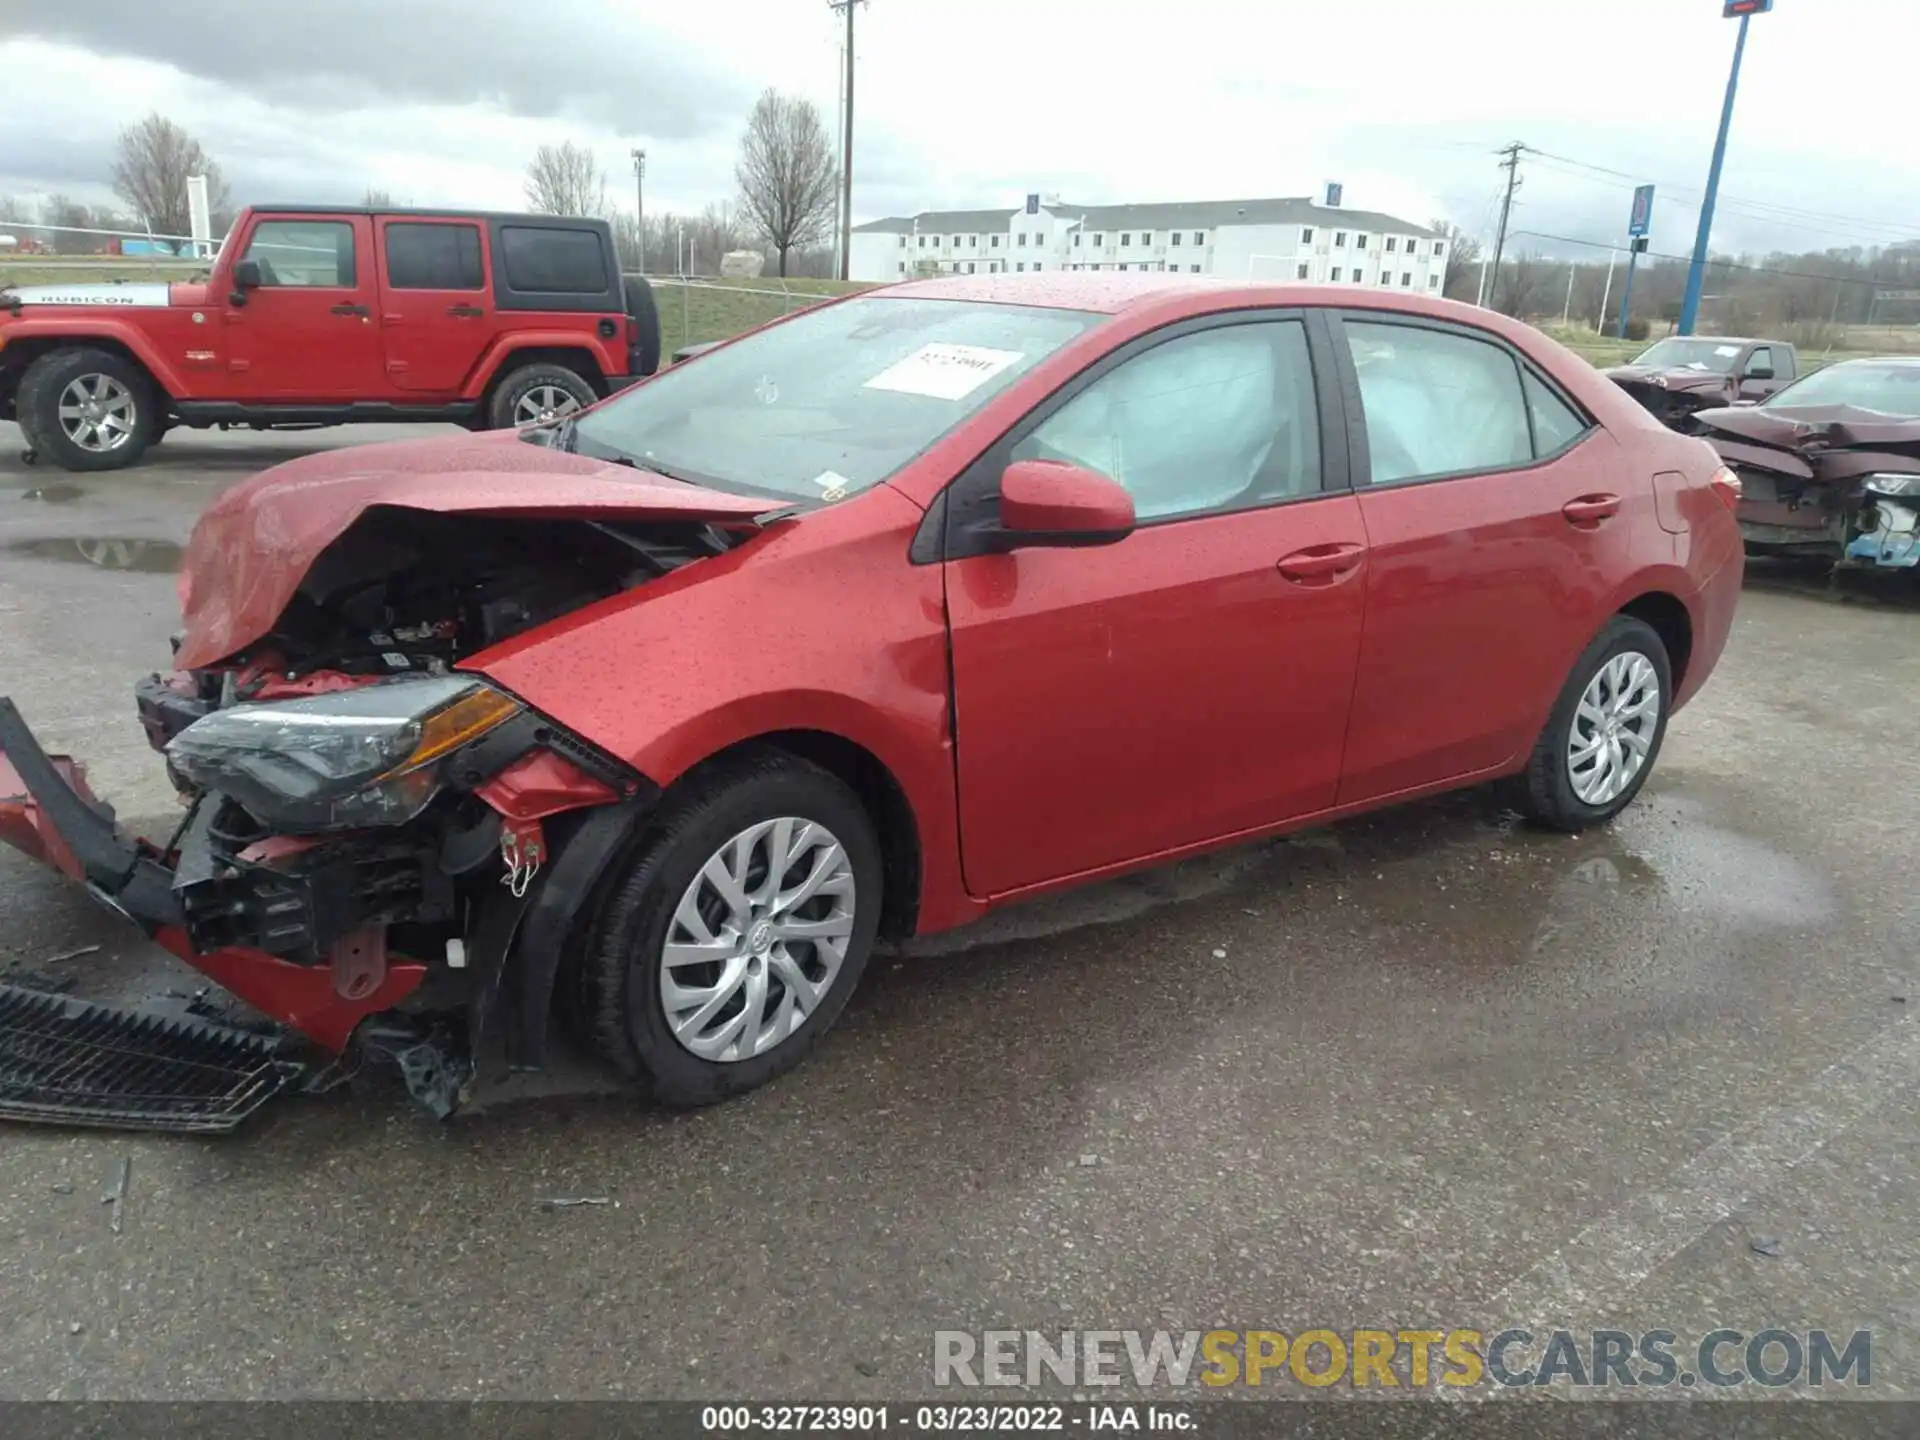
(357, 757)
(1900, 486)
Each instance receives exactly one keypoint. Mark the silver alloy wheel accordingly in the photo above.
(544, 404)
(757, 939)
(97, 412)
(1613, 728)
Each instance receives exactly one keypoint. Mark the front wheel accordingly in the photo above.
(87, 409)
(736, 937)
(1604, 734)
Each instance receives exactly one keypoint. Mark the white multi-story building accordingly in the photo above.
(1289, 239)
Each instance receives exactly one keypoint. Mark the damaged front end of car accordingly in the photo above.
(382, 851)
(1674, 397)
(1833, 482)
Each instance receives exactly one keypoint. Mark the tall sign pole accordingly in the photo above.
(1639, 222)
(640, 204)
(846, 146)
(1744, 11)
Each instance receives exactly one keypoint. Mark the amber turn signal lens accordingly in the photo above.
(1726, 485)
(467, 718)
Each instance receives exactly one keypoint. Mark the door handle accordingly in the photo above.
(360, 310)
(466, 312)
(1322, 562)
(1590, 510)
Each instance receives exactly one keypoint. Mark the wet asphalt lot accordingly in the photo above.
(1426, 1069)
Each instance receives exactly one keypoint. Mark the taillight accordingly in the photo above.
(633, 331)
(1726, 485)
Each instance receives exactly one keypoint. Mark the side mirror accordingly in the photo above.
(1759, 372)
(1047, 503)
(246, 276)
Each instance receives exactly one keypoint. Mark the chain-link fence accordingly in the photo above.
(693, 311)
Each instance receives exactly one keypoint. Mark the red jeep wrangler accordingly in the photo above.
(329, 315)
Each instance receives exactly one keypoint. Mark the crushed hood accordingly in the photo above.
(254, 545)
(1826, 444)
(128, 296)
(1679, 378)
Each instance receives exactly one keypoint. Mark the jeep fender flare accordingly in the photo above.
(503, 353)
(127, 337)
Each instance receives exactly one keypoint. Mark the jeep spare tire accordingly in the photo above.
(87, 409)
(537, 394)
(643, 355)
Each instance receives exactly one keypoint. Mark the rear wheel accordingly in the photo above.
(1604, 734)
(537, 394)
(733, 942)
(87, 409)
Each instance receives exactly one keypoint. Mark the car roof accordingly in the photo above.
(1900, 360)
(1114, 292)
(427, 212)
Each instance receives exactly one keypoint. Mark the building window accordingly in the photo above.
(1406, 279)
(1126, 239)
(922, 241)
(1339, 239)
(1038, 266)
(1391, 244)
(1439, 247)
(1335, 275)
(1021, 266)
(1076, 239)
(1146, 239)
(970, 267)
(1199, 237)
(1194, 269)
(1023, 237)
(1359, 242)
(1306, 235)
(1175, 237)
(993, 241)
(973, 242)
(1303, 273)
(903, 267)
(1433, 282)
(903, 242)
(1096, 241)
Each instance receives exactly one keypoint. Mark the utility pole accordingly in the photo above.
(1512, 166)
(1697, 271)
(640, 203)
(846, 145)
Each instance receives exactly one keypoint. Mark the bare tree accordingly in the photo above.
(377, 199)
(1463, 255)
(717, 230)
(151, 170)
(65, 216)
(788, 179)
(565, 179)
(13, 210)
(1519, 287)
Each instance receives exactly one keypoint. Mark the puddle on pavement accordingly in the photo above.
(160, 557)
(59, 493)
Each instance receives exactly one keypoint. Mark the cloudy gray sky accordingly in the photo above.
(975, 102)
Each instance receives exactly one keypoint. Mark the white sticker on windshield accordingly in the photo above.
(944, 372)
(1726, 352)
(833, 485)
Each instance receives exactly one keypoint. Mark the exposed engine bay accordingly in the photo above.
(1833, 481)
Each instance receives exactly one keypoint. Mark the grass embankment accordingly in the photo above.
(718, 309)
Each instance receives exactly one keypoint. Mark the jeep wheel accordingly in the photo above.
(537, 395)
(87, 409)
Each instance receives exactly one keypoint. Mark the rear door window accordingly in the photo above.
(433, 257)
(1437, 402)
(553, 262)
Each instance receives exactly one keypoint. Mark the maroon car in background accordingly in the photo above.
(1677, 377)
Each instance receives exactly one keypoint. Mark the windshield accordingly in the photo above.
(1677, 354)
(832, 401)
(1891, 388)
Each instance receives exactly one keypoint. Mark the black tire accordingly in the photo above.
(38, 406)
(517, 384)
(625, 1016)
(1546, 789)
(644, 355)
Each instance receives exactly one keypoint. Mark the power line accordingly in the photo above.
(846, 145)
(1903, 229)
(1723, 264)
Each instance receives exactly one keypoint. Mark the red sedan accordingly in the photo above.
(905, 608)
